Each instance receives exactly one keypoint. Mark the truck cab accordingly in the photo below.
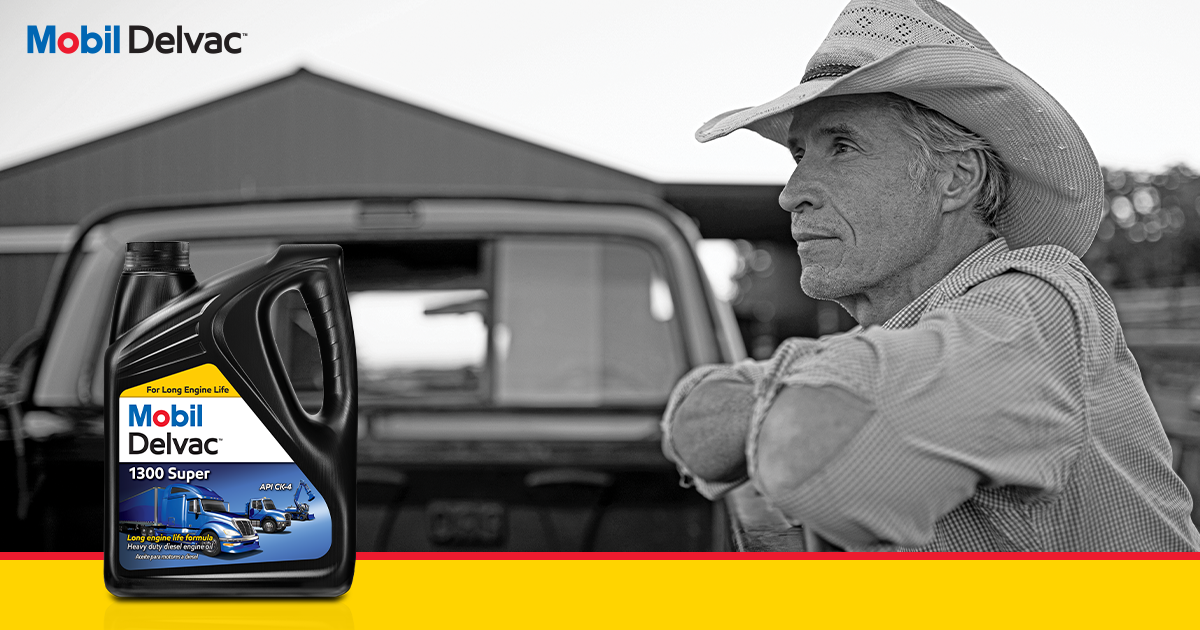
(262, 514)
(515, 355)
(186, 509)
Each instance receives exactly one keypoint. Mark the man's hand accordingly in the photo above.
(710, 429)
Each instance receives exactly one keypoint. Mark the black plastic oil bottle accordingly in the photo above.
(207, 442)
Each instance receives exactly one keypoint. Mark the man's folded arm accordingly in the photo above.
(885, 432)
(809, 468)
(709, 412)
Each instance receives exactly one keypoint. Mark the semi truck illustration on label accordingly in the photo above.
(187, 509)
(263, 514)
(300, 511)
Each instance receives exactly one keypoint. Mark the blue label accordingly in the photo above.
(194, 515)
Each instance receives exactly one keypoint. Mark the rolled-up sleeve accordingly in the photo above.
(985, 389)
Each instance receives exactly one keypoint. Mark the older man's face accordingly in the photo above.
(859, 221)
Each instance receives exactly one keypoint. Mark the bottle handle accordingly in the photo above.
(320, 281)
(324, 293)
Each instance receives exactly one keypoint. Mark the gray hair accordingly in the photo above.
(935, 136)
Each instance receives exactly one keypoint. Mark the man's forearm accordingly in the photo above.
(710, 427)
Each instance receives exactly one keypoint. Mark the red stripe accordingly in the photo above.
(374, 555)
(52, 555)
(480, 555)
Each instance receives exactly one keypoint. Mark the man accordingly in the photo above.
(988, 401)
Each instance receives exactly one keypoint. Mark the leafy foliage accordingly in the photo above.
(1149, 235)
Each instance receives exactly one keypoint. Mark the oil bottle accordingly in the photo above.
(206, 440)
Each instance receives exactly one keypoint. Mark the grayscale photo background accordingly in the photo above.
(559, 99)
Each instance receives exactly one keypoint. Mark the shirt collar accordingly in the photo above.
(908, 316)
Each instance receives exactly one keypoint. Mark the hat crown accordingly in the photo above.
(868, 30)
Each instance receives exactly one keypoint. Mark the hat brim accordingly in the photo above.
(1056, 194)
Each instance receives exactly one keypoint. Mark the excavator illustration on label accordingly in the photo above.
(299, 511)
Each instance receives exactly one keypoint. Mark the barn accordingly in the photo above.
(306, 132)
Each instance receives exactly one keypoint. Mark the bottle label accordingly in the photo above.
(201, 481)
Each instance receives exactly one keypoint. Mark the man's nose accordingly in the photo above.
(800, 194)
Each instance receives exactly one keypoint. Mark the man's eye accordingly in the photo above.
(798, 155)
(841, 147)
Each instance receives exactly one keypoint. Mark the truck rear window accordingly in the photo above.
(508, 322)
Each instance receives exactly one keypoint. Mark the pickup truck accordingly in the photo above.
(262, 514)
(516, 350)
(187, 509)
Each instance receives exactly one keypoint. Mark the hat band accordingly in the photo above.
(827, 70)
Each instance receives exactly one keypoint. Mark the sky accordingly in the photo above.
(624, 84)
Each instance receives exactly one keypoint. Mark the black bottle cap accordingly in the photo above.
(162, 256)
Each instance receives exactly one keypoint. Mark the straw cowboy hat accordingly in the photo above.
(925, 52)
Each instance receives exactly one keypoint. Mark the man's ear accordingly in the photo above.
(962, 180)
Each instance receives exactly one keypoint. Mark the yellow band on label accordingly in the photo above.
(204, 381)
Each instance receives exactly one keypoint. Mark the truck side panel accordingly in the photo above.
(140, 508)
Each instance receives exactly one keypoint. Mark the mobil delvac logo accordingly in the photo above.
(142, 416)
(142, 39)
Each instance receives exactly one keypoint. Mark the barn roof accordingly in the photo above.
(303, 132)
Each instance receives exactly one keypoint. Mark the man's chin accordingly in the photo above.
(821, 285)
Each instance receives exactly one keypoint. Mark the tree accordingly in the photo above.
(1149, 235)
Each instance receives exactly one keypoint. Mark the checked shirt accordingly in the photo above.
(1006, 414)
